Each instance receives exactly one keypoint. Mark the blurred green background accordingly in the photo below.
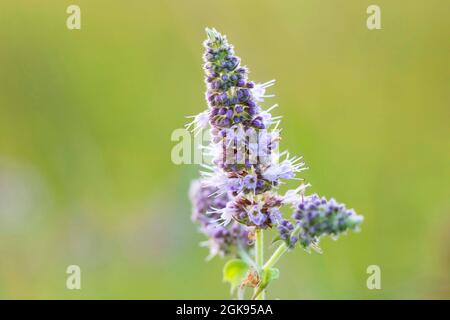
(86, 117)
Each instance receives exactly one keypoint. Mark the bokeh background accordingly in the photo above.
(86, 117)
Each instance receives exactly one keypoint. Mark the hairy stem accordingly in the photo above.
(259, 257)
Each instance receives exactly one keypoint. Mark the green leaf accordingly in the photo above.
(235, 272)
(266, 277)
(273, 274)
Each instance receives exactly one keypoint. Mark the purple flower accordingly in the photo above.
(285, 228)
(258, 123)
(256, 216)
(318, 217)
(250, 182)
(222, 240)
(275, 215)
(240, 83)
(238, 190)
(285, 170)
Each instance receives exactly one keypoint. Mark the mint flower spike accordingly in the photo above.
(222, 240)
(317, 217)
(237, 197)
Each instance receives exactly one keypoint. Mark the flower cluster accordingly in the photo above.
(222, 240)
(316, 216)
(230, 94)
(247, 168)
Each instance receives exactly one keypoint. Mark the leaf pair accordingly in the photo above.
(267, 275)
(236, 272)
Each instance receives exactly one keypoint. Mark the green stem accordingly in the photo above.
(259, 257)
(262, 268)
(275, 256)
(279, 252)
(259, 243)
